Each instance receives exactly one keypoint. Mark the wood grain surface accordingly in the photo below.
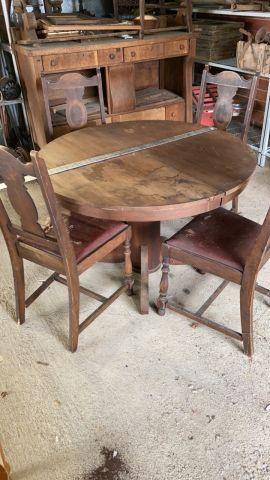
(179, 179)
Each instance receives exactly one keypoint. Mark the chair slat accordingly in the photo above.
(72, 86)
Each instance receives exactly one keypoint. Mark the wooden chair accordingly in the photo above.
(72, 85)
(228, 83)
(69, 247)
(4, 466)
(227, 245)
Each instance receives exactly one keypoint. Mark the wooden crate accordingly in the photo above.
(217, 39)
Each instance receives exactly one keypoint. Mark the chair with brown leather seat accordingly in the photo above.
(68, 246)
(227, 245)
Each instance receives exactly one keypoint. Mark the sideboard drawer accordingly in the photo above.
(110, 56)
(69, 61)
(176, 49)
(145, 52)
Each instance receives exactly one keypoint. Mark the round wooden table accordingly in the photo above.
(178, 178)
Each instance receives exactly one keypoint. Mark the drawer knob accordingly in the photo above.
(112, 56)
(54, 62)
(133, 54)
(182, 46)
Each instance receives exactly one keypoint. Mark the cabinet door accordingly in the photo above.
(121, 88)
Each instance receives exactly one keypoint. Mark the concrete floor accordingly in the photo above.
(145, 397)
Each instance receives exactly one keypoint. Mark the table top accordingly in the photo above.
(185, 177)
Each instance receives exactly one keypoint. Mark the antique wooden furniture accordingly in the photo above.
(140, 5)
(72, 85)
(4, 466)
(228, 83)
(147, 79)
(163, 20)
(67, 246)
(144, 284)
(147, 171)
(229, 246)
(53, 28)
(42, 29)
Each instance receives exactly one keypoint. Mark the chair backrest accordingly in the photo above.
(259, 254)
(185, 10)
(228, 82)
(72, 85)
(29, 231)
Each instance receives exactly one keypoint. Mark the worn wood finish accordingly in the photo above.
(69, 61)
(126, 151)
(245, 276)
(4, 466)
(147, 234)
(144, 284)
(146, 75)
(126, 74)
(187, 73)
(113, 26)
(72, 85)
(144, 186)
(121, 93)
(170, 181)
(3, 474)
(52, 247)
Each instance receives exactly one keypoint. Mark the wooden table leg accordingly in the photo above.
(143, 233)
(148, 234)
(144, 285)
(145, 256)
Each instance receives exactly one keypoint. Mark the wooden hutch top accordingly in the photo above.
(148, 78)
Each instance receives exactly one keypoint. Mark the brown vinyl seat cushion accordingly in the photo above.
(221, 236)
(88, 234)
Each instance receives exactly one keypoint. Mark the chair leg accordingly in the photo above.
(246, 307)
(5, 469)
(19, 287)
(235, 205)
(163, 289)
(129, 280)
(74, 311)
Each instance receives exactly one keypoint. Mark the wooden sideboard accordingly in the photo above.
(149, 78)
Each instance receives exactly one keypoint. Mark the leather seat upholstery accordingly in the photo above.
(88, 234)
(220, 235)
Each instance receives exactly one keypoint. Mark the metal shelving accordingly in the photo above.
(7, 47)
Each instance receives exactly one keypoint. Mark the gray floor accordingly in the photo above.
(145, 397)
